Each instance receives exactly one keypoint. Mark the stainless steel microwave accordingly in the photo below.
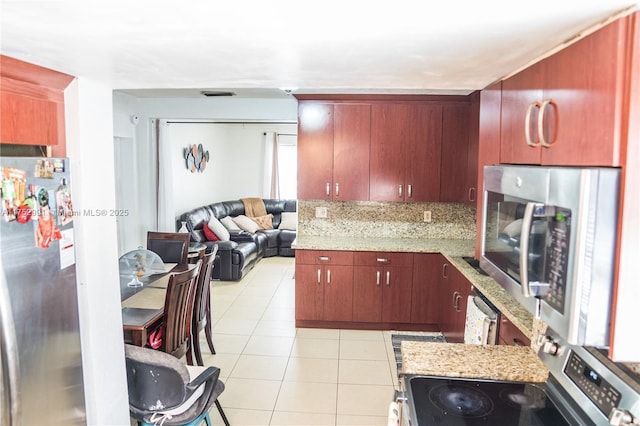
(548, 238)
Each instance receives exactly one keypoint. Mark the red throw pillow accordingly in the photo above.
(211, 236)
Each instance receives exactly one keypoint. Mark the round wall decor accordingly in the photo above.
(196, 158)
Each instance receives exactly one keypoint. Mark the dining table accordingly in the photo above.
(143, 307)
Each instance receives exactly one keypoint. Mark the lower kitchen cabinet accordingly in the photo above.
(324, 285)
(509, 334)
(382, 287)
(427, 279)
(454, 293)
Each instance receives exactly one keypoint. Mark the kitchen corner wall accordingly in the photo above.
(371, 219)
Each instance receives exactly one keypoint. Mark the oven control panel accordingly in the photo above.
(599, 391)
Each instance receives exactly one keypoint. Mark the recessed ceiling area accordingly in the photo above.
(258, 49)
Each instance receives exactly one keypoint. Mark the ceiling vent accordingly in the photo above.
(212, 93)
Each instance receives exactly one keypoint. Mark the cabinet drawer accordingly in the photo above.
(324, 257)
(372, 258)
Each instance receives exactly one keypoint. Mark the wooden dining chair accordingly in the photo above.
(178, 313)
(202, 306)
(172, 247)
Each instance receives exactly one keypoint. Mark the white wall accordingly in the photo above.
(89, 133)
(236, 166)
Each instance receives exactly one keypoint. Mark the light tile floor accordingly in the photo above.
(276, 374)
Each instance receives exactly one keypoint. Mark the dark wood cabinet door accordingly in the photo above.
(389, 135)
(521, 94)
(423, 153)
(367, 293)
(460, 299)
(309, 292)
(454, 180)
(315, 151)
(338, 293)
(351, 142)
(426, 287)
(585, 82)
(396, 294)
(509, 334)
(446, 312)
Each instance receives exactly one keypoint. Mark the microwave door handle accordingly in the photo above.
(527, 221)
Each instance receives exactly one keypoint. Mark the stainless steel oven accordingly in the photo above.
(549, 239)
(584, 388)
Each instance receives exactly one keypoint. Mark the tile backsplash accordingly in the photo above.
(371, 219)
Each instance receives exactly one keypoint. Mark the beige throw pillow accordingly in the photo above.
(218, 229)
(289, 220)
(246, 224)
(228, 223)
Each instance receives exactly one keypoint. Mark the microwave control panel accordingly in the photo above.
(557, 253)
(598, 390)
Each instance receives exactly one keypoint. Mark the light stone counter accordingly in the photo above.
(494, 362)
(452, 249)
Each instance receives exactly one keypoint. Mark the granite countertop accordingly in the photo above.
(452, 249)
(492, 362)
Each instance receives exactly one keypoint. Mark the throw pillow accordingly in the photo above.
(246, 224)
(218, 228)
(289, 220)
(229, 224)
(211, 236)
(264, 222)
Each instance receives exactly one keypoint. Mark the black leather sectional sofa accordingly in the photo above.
(237, 256)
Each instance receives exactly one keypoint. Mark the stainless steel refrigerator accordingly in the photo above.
(41, 365)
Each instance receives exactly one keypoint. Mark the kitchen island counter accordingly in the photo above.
(491, 362)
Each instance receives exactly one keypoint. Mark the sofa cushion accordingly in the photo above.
(218, 228)
(289, 220)
(228, 223)
(264, 222)
(246, 224)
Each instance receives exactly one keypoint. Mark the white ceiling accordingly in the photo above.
(258, 47)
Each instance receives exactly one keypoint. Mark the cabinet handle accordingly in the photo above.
(377, 277)
(456, 301)
(328, 276)
(399, 191)
(541, 116)
(383, 260)
(518, 342)
(409, 191)
(527, 124)
(319, 276)
(328, 189)
(388, 278)
(337, 189)
(324, 258)
(472, 194)
(445, 267)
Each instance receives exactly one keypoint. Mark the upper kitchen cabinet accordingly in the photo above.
(459, 160)
(405, 152)
(32, 105)
(569, 108)
(333, 151)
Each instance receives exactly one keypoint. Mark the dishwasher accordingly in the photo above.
(482, 319)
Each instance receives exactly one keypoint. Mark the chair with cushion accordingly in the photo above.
(165, 391)
(178, 313)
(202, 306)
(172, 247)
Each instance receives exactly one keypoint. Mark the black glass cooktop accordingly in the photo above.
(458, 402)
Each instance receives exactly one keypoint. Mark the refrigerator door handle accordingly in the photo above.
(10, 362)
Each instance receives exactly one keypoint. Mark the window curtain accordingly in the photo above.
(271, 182)
(166, 220)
